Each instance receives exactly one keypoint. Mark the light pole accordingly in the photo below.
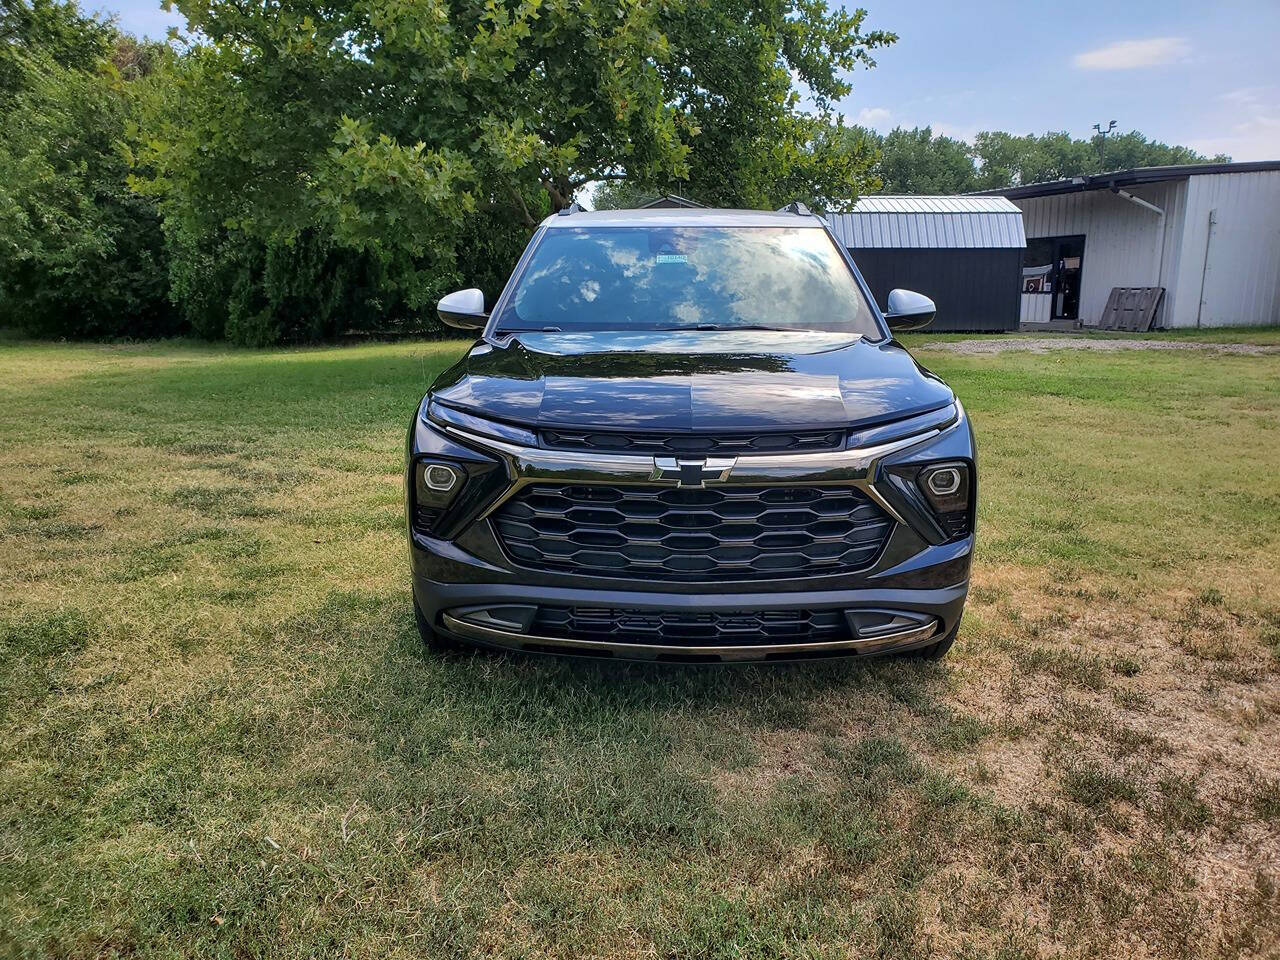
(1102, 144)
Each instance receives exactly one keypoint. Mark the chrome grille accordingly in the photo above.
(689, 628)
(675, 533)
(812, 440)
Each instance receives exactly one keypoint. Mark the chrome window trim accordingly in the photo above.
(857, 467)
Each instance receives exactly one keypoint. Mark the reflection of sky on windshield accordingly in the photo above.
(649, 277)
(717, 342)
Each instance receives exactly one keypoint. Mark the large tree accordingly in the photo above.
(917, 161)
(422, 141)
(80, 253)
(1007, 160)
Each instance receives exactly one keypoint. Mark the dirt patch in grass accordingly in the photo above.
(977, 347)
(1099, 732)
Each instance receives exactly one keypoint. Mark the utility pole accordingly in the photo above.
(1102, 144)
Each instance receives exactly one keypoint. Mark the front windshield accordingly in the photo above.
(687, 278)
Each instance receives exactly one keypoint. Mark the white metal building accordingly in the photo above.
(1208, 234)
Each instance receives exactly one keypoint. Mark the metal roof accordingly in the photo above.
(1127, 178)
(930, 222)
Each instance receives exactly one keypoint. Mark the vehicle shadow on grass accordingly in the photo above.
(547, 783)
(534, 711)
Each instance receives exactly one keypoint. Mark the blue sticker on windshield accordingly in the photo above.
(672, 258)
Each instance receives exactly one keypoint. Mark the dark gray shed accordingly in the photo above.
(964, 252)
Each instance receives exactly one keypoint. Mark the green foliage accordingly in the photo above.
(80, 253)
(918, 162)
(417, 145)
(52, 31)
(731, 80)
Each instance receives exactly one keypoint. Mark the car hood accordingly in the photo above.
(691, 380)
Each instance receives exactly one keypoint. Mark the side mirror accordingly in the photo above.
(463, 309)
(908, 310)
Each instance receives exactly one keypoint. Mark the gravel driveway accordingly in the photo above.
(1044, 344)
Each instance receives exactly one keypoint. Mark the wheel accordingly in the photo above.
(432, 641)
(936, 650)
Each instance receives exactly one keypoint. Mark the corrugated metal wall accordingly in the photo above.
(974, 289)
(1122, 239)
(929, 223)
(1239, 283)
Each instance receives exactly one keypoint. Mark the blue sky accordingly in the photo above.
(1202, 74)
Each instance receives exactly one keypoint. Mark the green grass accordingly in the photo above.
(219, 735)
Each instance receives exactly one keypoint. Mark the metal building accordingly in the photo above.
(964, 252)
(1207, 237)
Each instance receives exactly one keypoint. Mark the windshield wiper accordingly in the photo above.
(730, 327)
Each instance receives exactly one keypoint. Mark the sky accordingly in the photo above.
(1205, 75)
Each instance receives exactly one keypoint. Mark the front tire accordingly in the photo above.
(432, 642)
(937, 650)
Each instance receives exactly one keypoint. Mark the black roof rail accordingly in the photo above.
(796, 207)
(570, 209)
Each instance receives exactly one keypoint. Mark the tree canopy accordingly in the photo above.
(80, 253)
(416, 145)
(918, 161)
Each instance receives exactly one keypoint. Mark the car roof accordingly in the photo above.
(679, 217)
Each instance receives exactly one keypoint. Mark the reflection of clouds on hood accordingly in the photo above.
(773, 397)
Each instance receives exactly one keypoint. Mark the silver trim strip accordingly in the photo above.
(648, 651)
(856, 467)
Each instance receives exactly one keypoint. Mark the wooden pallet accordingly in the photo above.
(1131, 308)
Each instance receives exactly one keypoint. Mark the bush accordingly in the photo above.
(81, 255)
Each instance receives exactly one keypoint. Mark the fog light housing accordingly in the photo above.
(947, 487)
(435, 485)
(439, 477)
(944, 481)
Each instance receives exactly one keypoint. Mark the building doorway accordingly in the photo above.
(1054, 267)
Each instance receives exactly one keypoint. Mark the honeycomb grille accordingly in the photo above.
(673, 533)
(699, 443)
(689, 628)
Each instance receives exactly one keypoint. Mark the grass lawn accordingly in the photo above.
(219, 735)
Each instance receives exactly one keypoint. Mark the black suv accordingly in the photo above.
(689, 435)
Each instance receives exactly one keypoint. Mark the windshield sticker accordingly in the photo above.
(672, 258)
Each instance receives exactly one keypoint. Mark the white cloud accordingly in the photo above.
(965, 132)
(1245, 96)
(1133, 54)
(1252, 126)
(872, 117)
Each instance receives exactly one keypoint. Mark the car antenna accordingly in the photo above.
(570, 209)
(796, 207)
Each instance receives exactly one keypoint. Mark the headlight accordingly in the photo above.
(435, 485)
(947, 486)
(438, 413)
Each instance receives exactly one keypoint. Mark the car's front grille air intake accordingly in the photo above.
(677, 443)
(691, 628)
(675, 533)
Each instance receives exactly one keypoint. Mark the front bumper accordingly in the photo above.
(464, 580)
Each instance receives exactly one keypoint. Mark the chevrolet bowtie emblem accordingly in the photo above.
(692, 473)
